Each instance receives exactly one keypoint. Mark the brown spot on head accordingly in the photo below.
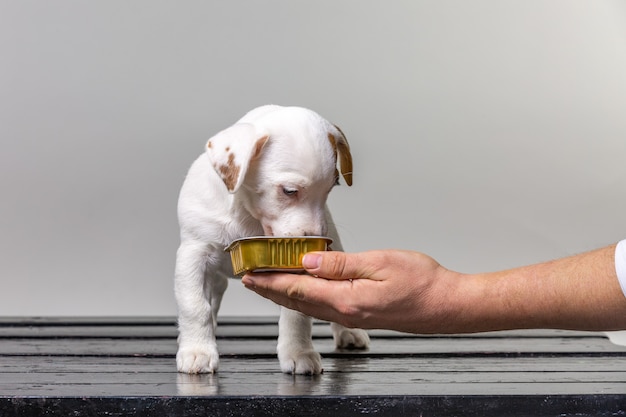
(208, 145)
(230, 172)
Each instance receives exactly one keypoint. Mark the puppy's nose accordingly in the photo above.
(321, 232)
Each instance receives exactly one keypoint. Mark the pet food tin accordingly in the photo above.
(273, 253)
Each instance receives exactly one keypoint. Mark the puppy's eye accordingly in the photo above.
(290, 191)
(336, 180)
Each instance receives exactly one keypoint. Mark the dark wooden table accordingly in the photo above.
(125, 366)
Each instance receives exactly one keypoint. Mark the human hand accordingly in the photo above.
(410, 291)
(392, 289)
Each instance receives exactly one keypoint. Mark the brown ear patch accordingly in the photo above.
(258, 146)
(342, 152)
(333, 143)
(230, 172)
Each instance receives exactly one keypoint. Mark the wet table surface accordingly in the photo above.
(126, 366)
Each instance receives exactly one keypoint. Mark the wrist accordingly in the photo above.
(486, 302)
(464, 302)
(469, 307)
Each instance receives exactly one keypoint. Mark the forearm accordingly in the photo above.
(411, 292)
(580, 292)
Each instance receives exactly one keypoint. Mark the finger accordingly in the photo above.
(339, 265)
(312, 310)
(297, 291)
(273, 289)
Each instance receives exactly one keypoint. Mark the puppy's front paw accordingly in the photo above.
(352, 339)
(197, 360)
(303, 362)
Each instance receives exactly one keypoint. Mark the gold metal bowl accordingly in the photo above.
(273, 253)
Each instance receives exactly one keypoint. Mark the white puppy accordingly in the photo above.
(268, 174)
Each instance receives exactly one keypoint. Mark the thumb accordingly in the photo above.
(334, 265)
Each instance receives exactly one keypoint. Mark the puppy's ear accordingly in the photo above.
(232, 150)
(342, 152)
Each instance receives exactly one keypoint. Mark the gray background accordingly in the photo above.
(488, 134)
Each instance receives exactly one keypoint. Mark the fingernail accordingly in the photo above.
(312, 260)
(247, 281)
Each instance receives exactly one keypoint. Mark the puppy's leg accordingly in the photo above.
(199, 290)
(295, 346)
(346, 338)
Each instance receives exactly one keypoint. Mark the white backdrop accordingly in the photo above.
(488, 134)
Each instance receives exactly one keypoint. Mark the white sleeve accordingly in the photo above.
(620, 264)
